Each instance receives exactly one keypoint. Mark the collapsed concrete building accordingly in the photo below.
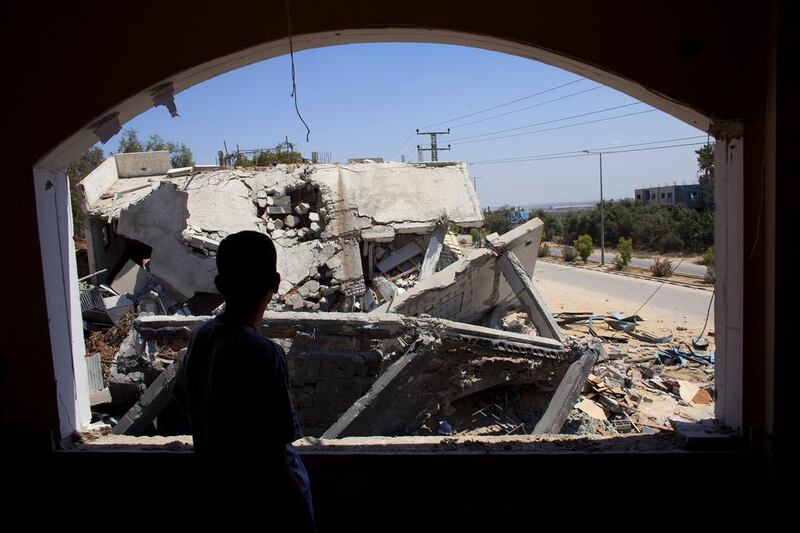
(390, 327)
(328, 222)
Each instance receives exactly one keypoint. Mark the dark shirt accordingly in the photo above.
(234, 385)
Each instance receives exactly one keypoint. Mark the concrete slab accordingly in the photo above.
(434, 250)
(472, 286)
(131, 279)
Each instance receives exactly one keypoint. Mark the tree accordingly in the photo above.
(585, 247)
(180, 155)
(76, 171)
(705, 173)
(497, 221)
(129, 142)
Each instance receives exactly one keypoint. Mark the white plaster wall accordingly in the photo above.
(393, 193)
(728, 265)
(99, 180)
(136, 164)
(158, 220)
(54, 219)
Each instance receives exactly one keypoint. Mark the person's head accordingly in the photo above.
(247, 273)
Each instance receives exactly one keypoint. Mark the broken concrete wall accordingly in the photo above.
(138, 164)
(158, 220)
(98, 181)
(315, 214)
(471, 287)
(335, 361)
(410, 198)
(327, 374)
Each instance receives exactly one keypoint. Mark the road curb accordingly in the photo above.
(667, 281)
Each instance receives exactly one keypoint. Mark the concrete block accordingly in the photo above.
(378, 233)
(131, 279)
(136, 164)
(278, 210)
(151, 403)
(279, 201)
(412, 249)
(435, 245)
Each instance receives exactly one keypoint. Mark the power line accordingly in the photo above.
(559, 127)
(540, 104)
(402, 145)
(505, 103)
(615, 147)
(526, 126)
(546, 157)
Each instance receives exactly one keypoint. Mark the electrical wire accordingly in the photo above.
(545, 157)
(294, 81)
(552, 121)
(540, 104)
(504, 104)
(708, 312)
(402, 145)
(526, 157)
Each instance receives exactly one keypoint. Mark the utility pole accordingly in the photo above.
(602, 212)
(434, 149)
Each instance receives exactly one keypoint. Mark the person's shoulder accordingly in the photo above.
(257, 343)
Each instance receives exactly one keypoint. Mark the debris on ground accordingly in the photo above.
(391, 326)
(643, 387)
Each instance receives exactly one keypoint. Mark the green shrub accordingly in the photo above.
(708, 261)
(585, 246)
(708, 257)
(625, 249)
(569, 254)
(619, 262)
(477, 234)
(544, 250)
(662, 267)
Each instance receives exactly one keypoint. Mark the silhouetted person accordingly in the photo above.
(234, 384)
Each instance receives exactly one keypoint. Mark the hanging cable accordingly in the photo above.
(708, 313)
(294, 81)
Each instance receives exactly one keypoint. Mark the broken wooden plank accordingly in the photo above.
(592, 409)
(435, 245)
(533, 303)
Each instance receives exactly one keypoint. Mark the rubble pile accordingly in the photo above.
(642, 387)
(390, 328)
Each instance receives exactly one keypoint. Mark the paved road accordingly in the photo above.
(685, 268)
(566, 288)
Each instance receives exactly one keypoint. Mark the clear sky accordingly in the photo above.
(365, 101)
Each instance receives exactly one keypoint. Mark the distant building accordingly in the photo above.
(670, 195)
(365, 160)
